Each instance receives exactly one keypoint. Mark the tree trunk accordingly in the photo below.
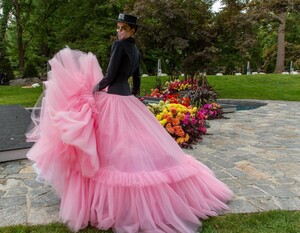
(280, 44)
(20, 36)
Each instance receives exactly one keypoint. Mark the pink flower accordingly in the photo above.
(186, 118)
(203, 110)
(200, 115)
(203, 130)
(207, 106)
(193, 121)
(186, 121)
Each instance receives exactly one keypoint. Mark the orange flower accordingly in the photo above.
(181, 116)
(173, 110)
(169, 128)
(178, 131)
(169, 119)
(177, 127)
(166, 116)
(175, 121)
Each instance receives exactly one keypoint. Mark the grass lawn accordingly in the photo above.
(265, 222)
(26, 97)
(262, 87)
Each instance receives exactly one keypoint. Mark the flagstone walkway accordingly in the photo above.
(255, 152)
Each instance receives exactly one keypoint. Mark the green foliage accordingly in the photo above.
(186, 33)
(178, 29)
(5, 65)
(203, 94)
(30, 71)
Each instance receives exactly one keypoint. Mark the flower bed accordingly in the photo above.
(185, 124)
(183, 107)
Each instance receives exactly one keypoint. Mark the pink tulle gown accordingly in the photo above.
(112, 163)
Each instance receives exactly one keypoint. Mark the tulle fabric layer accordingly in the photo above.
(64, 118)
(168, 205)
(112, 163)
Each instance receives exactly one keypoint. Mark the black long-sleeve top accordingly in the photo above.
(124, 62)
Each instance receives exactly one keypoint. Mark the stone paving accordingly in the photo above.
(255, 152)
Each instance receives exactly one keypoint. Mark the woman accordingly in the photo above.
(124, 59)
(112, 163)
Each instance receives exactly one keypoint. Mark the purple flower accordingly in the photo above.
(186, 121)
(207, 106)
(203, 111)
(186, 118)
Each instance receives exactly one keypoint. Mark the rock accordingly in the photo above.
(35, 85)
(27, 170)
(25, 81)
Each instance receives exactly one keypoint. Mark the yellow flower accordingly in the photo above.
(187, 137)
(159, 117)
(180, 140)
(163, 122)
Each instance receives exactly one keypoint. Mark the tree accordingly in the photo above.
(90, 29)
(5, 66)
(174, 30)
(46, 26)
(293, 40)
(275, 11)
(29, 17)
(237, 41)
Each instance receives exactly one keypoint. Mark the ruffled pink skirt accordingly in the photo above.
(112, 163)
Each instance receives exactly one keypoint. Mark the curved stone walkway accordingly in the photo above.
(255, 152)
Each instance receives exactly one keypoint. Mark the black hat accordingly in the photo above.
(130, 19)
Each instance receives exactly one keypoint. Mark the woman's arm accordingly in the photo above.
(116, 56)
(136, 79)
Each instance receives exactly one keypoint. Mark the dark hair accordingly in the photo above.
(135, 27)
